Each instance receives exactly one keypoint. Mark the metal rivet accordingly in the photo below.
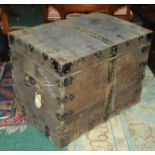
(127, 43)
(140, 38)
(45, 57)
(98, 54)
(113, 52)
(31, 48)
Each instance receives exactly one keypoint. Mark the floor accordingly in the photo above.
(133, 129)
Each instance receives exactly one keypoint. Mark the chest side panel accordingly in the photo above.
(29, 86)
(130, 72)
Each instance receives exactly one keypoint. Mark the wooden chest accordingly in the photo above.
(74, 74)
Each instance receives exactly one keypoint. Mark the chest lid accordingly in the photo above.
(66, 42)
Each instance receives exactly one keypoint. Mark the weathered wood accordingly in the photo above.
(72, 75)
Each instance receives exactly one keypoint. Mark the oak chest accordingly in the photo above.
(74, 74)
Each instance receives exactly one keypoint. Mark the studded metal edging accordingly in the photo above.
(64, 116)
(64, 100)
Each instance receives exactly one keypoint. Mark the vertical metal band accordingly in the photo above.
(111, 70)
(109, 96)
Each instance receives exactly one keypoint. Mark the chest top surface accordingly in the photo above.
(68, 40)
